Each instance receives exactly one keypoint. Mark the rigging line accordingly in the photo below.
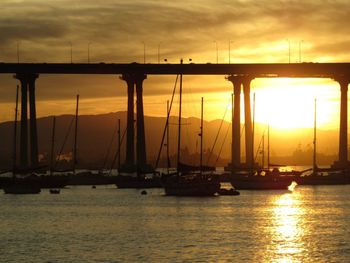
(217, 136)
(260, 144)
(117, 153)
(121, 141)
(222, 145)
(64, 141)
(110, 145)
(166, 123)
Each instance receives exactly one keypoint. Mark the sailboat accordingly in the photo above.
(25, 184)
(190, 183)
(145, 178)
(253, 180)
(322, 176)
(85, 177)
(52, 180)
(275, 169)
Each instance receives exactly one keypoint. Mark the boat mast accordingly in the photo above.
(314, 167)
(268, 146)
(179, 123)
(15, 136)
(75, 135)
(201, 135)
(252, 160)
(52, 144)
(167, 139)
(232, 134)
(263, 152)
(119, 146)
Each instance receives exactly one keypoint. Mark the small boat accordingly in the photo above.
(22, 186)
(252, 179)
(191, 185)
(232, 191)
(319, 177)
(259, 182)
(138, 181)
(54, 191)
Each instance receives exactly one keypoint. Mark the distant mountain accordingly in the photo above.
(97, 134)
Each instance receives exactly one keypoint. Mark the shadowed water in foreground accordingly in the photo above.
(111, 225)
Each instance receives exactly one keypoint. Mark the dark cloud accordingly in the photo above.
(183, 28)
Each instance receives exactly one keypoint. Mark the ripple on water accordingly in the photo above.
(109, 225)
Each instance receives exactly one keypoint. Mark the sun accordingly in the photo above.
(290, 103)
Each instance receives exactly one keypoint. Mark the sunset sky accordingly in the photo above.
(118, 30)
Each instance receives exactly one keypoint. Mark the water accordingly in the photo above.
(311, 224)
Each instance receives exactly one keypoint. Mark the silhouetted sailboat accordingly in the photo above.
(86, 177)
(25, 184)
(273, 168)
(52, 180)
(183, 183)
(142, 178)
(322, 176)
(253, 180)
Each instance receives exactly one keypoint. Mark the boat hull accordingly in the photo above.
(135, 182)
(191, 186)
(53, 181)
(261, 182)
(322, 180)
(196, 190)
(22, 186)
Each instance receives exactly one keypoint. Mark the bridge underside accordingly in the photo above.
(239, 74)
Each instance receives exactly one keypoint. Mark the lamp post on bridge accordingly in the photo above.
(89, 52)
(229, 51)
(71, 52)
(288, 50)
(300, 42)
(159, 52)
(217, 52)
(17, 51)
(144, 52)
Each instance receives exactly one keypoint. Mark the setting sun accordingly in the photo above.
(289, 103)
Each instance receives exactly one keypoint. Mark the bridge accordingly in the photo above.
(134, 74)
(262, 70)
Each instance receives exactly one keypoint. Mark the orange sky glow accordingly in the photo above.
(208, 31)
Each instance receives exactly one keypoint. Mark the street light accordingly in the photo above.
(89, 52)
(159, 52)
(144, 52)
(17, 51)
(288, 50)
(217, 52)
(301, 41)
(71, 52)
(229, 51)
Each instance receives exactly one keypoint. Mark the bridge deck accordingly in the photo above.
(300, 70)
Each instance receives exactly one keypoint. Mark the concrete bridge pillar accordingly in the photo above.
(140, 143)
(236, 122)
(249, 149)
(33, 129)
(28, 84)
(343, 129)
(130, 147)
(23, 150)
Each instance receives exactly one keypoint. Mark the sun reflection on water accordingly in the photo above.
(288, 228)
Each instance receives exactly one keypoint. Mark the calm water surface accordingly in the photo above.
(311, 224)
